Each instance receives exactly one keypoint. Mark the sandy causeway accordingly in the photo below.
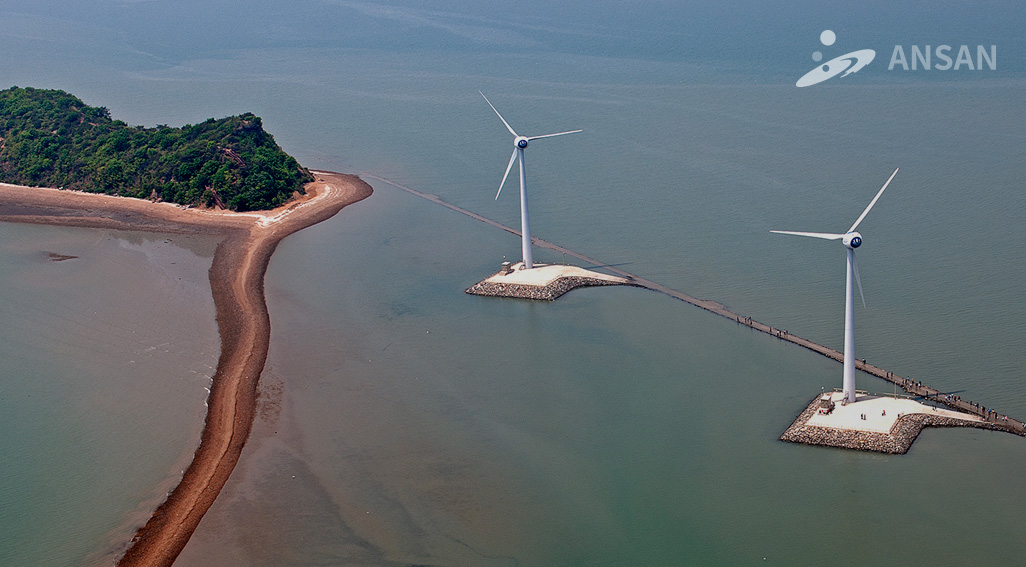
(237, 284)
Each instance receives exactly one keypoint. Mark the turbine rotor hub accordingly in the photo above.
(521, 142)
(852, 240)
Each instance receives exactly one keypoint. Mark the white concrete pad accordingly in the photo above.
(543, 274)
(880, 413)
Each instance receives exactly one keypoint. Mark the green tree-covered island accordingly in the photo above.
(49, 138)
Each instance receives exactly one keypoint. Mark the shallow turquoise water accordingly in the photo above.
(105, 357)
(616, 425)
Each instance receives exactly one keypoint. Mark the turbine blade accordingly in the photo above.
(512, 159)
(551, 135)
(858, 280)
(823, 235)
(873, 202)
(508, 127)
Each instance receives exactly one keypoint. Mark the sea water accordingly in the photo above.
(404, 422)
(106, 348)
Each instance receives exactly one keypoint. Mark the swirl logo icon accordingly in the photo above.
(848, 63)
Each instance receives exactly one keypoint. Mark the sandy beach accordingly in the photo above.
(236, 281)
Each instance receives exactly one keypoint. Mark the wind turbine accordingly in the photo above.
(851, 241)
(519, 144)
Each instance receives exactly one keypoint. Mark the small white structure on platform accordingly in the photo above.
(851, 241)
(520, 143)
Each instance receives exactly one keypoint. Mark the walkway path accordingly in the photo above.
(236, 282)
(912, 387)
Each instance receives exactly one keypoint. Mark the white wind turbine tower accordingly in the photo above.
(851, 241)
(520, 143)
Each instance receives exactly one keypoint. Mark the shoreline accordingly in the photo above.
(237, 285)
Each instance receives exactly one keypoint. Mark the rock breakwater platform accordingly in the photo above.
(882, 424)
(542, 282)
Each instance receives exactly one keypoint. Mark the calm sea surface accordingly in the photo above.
(404, 422)
(104, 359)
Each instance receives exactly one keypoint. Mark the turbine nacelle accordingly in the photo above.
(852, 240)
(520, 143)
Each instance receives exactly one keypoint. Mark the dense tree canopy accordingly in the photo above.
(50, 138)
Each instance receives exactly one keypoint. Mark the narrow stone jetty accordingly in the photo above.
(913, 387)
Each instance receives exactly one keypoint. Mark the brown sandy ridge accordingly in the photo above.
(237, 283)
